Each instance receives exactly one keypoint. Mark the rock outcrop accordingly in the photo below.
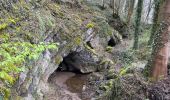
(80, 30)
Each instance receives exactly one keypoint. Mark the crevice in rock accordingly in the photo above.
(89, 44)
(111, 42)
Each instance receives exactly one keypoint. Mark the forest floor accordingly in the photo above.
(72, 86)
(160, 90)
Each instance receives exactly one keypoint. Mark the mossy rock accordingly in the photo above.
(58, 59)
(111, 74)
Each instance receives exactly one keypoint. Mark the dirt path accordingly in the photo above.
(60, 78)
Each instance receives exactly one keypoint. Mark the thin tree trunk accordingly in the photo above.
(110, 4)
(118, 8)
(103, 3)
(160, 49)
(130, 10)
(126, 5)
(113, 6)
(137, 25)
(149, 10)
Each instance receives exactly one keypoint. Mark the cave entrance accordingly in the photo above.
(67, 68)
(69, 64)
(68, 75)
(111, 42)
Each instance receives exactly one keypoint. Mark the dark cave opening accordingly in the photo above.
(168, 66)
(69, 64)
(111, 42)
(68, 77)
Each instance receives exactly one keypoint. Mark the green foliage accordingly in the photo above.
(6, 22)
(3, 26)
(127, 57)
(13, 56)
(4, 37)
(144, 48)
(145, 37)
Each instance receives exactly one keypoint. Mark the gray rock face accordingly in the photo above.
(36, 78)
(33, 83)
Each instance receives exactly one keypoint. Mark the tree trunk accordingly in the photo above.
(160, 49)
(113, 6)
(137, 25)
(130, 10)
(155, 20)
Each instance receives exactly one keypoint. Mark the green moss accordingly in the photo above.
(58, 59)
(110, 84)
(106, 61)
(107, 86)
(110, 33)
(56, 8)
(5, 92)
(7, 22)
(61, 14)
(14, 21)
(78, 40)
(89, 49)
(109, 49)
(90, 25)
